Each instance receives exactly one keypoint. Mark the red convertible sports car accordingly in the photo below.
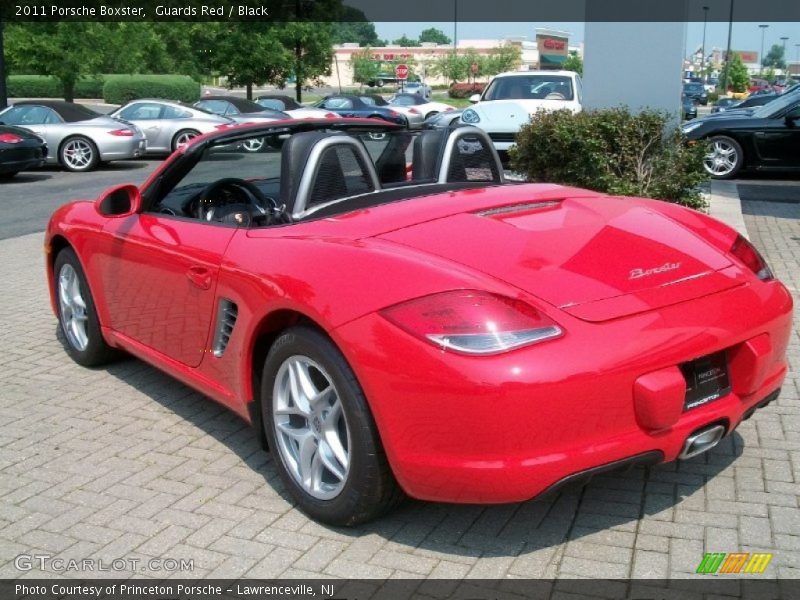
(393, 318)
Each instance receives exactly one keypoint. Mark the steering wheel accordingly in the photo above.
(255, 204)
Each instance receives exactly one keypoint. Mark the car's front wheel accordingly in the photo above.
(77, 314)
(724, 158)
(319, 426)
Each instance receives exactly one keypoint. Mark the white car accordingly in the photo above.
(509, 100)
(294, 109)
(416, 108)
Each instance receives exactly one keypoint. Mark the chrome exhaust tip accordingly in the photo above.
(701, 441)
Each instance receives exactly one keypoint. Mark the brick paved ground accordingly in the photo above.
(125, 462)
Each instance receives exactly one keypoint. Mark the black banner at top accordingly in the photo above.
(403, 10)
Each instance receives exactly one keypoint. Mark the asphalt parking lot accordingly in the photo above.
(124, 462)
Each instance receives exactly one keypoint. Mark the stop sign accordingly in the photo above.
(401, 71)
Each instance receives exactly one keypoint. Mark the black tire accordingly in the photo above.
(430, 114)
(369, 488)
(737, 163)
(97, 352)
(183, 132)
(68, 154)
(379, 83)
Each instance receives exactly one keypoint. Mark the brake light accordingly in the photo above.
(413, 111)
(10, 138)
(747, 253)
(122, 132)
(473, 322)
(393, 113)
(449, 108)
(330, 116)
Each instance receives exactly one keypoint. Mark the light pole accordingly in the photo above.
(761, 65)
(785, 58)
(724, 82)
(703, 57)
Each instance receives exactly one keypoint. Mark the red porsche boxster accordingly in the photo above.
(395, 319)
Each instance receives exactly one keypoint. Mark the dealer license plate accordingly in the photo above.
(707, 380)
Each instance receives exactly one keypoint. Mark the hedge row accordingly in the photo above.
(120, 89)
(114, 89)
(42, 86)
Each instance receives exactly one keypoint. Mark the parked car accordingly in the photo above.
(688, 108)
(293, 108)
(724, 104)
(764, 138)
(757, 100)
(416, 108)
(361, 106)
(416, 87)
(77, 138)
(446, 337)
(509, 100)
(759, 85)
(240, 110)
(167, 124)
(443, 120)
(697, 92)
(20, 150)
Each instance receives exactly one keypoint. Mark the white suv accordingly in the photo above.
(510, 99)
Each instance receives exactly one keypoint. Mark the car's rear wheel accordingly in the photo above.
(318, 423)
(79, 154)
(77, 314)
(184, 136)
(724, 158)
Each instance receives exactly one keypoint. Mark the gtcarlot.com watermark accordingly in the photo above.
(45, 562)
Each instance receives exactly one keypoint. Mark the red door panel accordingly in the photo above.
(159, 278)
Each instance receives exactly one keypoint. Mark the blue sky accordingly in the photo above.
(746, 36)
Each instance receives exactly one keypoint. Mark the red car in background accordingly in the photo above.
(421, 328)
(759, 85)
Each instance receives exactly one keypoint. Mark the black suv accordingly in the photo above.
(697, 92)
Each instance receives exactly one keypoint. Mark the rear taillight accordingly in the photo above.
(331, 116)
(413, 111)
(122, 132)
(747, 253)
(10, 138)
(223, 126)
(473, 322)
(393, 113)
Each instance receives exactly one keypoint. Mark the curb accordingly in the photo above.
(724, 204)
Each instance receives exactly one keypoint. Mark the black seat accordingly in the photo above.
(428, 148)
(294, 157)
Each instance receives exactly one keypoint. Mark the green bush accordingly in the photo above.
(713, 96)
(612, 151)
(43, 86)
(120, 89)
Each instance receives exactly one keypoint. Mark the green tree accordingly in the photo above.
(353, 26)
(64, 50)
(451, 66)
(775, 57)
(735, 74)
(505, 58)
(365, 67)
(434, 35)
(405, 42)
(574, 63)
(266, 60)
(311, 45)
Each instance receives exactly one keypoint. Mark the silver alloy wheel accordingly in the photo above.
(310, 427)
(74, 319)
(254, 145)
(721, 159)
(184, 138)
(78, 154)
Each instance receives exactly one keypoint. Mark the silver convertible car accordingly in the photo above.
(169, 124)
(77, 138)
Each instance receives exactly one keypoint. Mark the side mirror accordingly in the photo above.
(474, 98)
(119, 201)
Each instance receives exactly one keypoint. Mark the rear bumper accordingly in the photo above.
(22, 159)
(121, 149)
(506, 428)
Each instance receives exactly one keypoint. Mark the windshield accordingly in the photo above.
(772, 108)
(530, 87)
(693, 87)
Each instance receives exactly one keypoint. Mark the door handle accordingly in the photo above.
(200, 276)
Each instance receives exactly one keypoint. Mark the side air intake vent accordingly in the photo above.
(226, 320)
